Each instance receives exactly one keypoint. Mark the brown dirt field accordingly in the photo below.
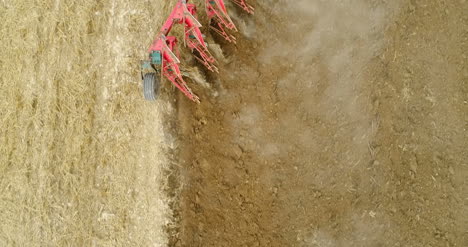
(332, 123)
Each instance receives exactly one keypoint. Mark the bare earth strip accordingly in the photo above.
(334, 123)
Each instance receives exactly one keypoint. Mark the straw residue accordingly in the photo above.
(83, 158)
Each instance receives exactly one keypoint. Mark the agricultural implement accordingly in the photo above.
(163, 59)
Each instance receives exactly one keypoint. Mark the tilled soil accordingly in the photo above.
(332, 123)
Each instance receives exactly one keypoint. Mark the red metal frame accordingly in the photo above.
(182, 13)
(244, 5)
(219, 18)
(169, 66)
(185, 14)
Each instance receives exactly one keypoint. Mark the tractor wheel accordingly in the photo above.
(150, 86)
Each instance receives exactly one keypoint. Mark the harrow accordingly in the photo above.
(163, 59)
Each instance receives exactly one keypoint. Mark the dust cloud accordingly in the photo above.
(336, 40)
(325, 50)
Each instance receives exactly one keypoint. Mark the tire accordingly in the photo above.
(150, 86)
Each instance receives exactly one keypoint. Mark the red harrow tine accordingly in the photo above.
(184, 13)
(217, 9)
(217, 13)
(245, 6)
(172, 71)
(169, 64)
(222, 32)
(195, 41)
